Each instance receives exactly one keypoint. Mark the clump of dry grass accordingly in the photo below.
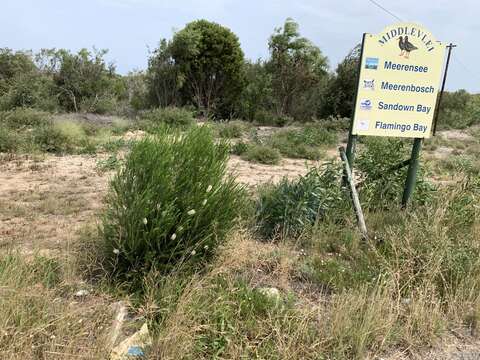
(424, 279)
(40, 318)
(224, 315)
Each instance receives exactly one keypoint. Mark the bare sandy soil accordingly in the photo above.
(45, 202)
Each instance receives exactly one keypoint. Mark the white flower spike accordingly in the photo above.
(173, 237)
(209, 188)
(145, 221)
(116, 251)
(191, 212)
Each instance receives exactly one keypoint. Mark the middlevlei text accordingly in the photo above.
(408, 31)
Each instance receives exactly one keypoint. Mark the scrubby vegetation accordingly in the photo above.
(287, 209)
(262, 154)
(215, 268)
(170, 204)
(304, 142)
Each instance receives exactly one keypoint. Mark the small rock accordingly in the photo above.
(406, 301)
(81, 293)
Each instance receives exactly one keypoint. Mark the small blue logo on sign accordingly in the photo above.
(365, 104)
(371, 63)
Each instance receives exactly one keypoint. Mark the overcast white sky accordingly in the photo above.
(127, 27)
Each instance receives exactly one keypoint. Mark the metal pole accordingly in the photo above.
(356, 202)
(412, 172)
(435, 120)
(352, 139)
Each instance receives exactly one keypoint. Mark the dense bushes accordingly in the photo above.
(382, 183)
(304, 143)
(170, 205)
(290, 207)
(22, 129)
(203, 67)
(233, 129)
(459, 110)
(262, 154)
(171, 116)
(59, 80)
(28, 130)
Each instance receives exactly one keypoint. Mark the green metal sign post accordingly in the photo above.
(417, 143)
(412, 171)
(413, 162)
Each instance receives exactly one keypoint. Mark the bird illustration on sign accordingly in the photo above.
(405, 46)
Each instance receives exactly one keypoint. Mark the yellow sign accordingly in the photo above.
(399, 81)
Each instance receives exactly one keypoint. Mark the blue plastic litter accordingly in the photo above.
(135, 351)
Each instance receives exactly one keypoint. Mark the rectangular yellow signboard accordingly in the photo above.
(399, 81)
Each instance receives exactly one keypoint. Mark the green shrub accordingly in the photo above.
(382, 185)
(51, 139)
(120, 125)
(266, 118)
(10, 141)
(111, 163)
(172, 116)
(232, 129)
(27, 130)
(239, 148)
(302, 142)
(30, 90)
(288, 208)
(73, 131)
(24, 118)
(459, 110)
(262, 154)
(170, 205)
(334, 123)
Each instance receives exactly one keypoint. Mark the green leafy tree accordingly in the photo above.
(13, 64)
(257, 95)
(22, 84)
(453, 109)
(32, 90)
(164, 78)
(202, 65)
(211, 60)
(341, 87)
(84, 81)
(136, 90)
(296, 66)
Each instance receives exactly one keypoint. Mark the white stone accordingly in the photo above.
(81, 293)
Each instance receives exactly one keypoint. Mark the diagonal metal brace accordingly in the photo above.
(353, 192)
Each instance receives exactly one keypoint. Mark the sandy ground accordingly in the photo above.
(45, 202)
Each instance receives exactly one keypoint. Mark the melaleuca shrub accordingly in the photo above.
(381, 180)
(170, 205)
(288, 208)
